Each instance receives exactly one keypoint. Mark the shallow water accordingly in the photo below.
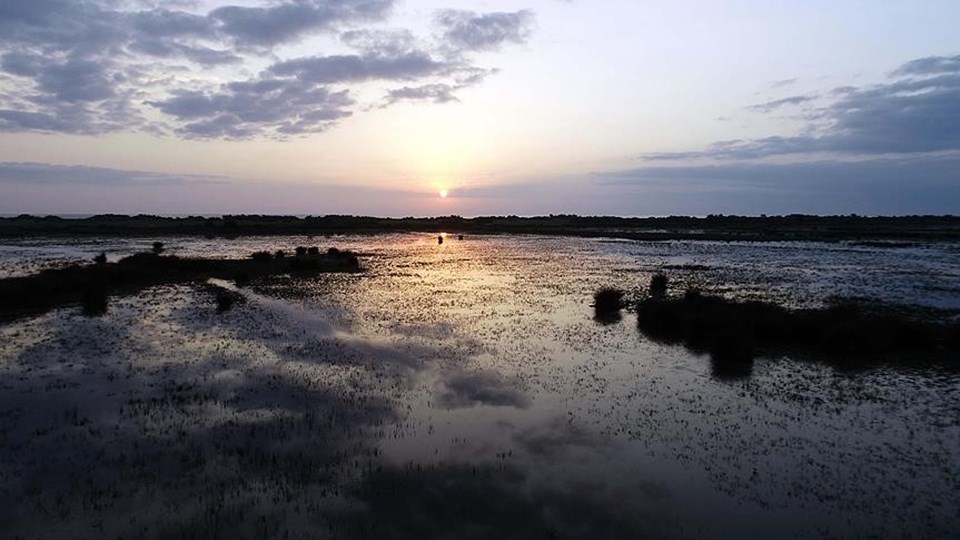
(464, 390)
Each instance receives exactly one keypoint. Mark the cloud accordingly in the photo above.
(98, 66)
(469, 31)
(942, 170)
(783, 83)
(13, 172)
(933, 65)
(905, 115)
(437, 93)
(266, 26)
(770, 106)
(354, 68)
(381, 42)
(918, 184)
(244, 109)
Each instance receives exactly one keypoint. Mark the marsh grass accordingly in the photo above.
(735, 332)
(94, 301)
(226, 299)
(23, 296)
(658, 286)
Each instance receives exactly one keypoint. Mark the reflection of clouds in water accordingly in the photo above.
(312, 321)
(321, 341)
(235, 419)
(468, 389)
(283, 404)
(464, 501)
(556, 437)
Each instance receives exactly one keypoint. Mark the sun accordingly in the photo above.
(444, 193)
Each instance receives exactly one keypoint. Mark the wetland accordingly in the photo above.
(469, 389)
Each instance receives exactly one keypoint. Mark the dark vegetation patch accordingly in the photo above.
(734, 332)
(226, 299)
(713, 227)
(94, 300)
(607, 303)
(658, 286)
(91, 285)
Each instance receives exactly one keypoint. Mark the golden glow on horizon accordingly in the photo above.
(444, 193)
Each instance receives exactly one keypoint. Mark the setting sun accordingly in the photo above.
(444, 193)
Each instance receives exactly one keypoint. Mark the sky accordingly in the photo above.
(530, 107)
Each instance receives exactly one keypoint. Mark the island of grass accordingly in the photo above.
(90, 285)
(734, 332)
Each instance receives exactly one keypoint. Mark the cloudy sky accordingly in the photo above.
(628, 107)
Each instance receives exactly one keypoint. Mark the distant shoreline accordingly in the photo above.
(882, 230)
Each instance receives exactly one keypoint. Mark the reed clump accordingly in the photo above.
(736, 331)
(89, 285)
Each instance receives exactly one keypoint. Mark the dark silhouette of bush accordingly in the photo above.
(732, 348)
(661, 321)
(280, 254)
(607, 303)
(300, 251)
(350, 260)
(608, 300)
(101, 258)
(333, 251)
(658, 286)
(29, 295)
(735, 332)
(313, 250)
(226, 299)
(157, 248)
(304, 264)
(261, 256)
(722, 367)
(94, 301)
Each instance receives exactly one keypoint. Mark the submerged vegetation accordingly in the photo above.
(90, 285)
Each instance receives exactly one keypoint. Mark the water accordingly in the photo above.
(464, 390)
